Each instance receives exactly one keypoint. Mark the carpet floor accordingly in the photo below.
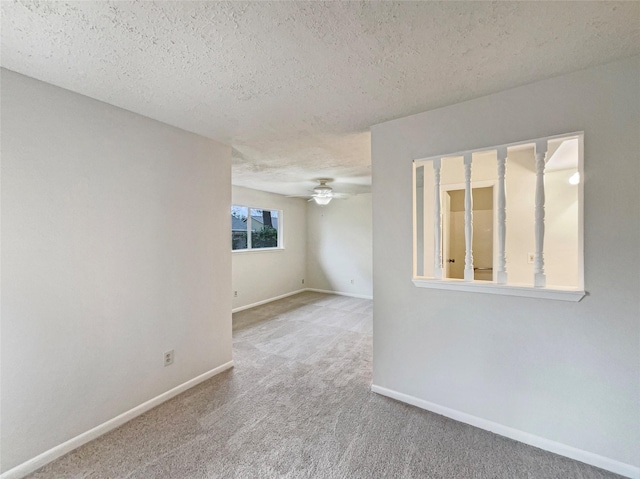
(297, 404)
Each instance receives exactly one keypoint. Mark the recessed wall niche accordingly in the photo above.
(505, 219)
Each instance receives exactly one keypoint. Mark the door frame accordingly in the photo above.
(446, 219)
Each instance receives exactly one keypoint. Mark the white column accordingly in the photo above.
(437, 222)
(468, 219)
(501, 275)
(416, 215)
(539, 277)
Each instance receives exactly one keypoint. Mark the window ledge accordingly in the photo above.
(256, 250)
(560, 294)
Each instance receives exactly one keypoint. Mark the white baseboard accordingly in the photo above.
(339, 293)
(54, 453)
(590, 458)
(265, 301)
(269, 300)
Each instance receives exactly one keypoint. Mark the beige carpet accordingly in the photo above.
(298, 405)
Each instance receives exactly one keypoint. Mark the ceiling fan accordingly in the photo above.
(323, 193)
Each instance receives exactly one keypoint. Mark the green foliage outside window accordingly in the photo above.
(262, 224)
(239, 240)
(266, 237)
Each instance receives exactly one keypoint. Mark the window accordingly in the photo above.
(503, 220)
(255, 228)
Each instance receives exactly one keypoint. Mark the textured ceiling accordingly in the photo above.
(295, 86)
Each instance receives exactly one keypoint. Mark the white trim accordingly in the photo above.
(540, 153)
(571, 452)
(60, 450)
(468, 219)
(255, 250)
(314, 290)
(250, 247)
(532, 142)
(437, 220)
(500, 218)
(339, 293)
(581, 212)
(414, 204)
(503, 289)
(264, 301)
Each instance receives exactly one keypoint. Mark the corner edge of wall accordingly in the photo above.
(549, 445)
(66, 447)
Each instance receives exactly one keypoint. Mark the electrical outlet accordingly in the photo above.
(235, 294)
(531, 258)
(353, 281)
(168, 358)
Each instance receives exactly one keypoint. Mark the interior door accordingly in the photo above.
(446, 222)
(456, 244)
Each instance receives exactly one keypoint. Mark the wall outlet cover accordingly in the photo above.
(168, 358)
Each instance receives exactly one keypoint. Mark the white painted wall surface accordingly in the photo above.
(262, 275)
(339, 240)
(115, 249)
(567, 372)
(561, 231)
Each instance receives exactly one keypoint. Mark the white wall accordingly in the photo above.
(326, 246)
(561, 229)
(115, 249)
(566, 372)
(262, 275)
(339, 242)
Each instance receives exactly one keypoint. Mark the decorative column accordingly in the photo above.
(501, 275)
(539, 277)
(468, 220)
(437, 222)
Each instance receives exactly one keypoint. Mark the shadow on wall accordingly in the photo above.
(340, 246)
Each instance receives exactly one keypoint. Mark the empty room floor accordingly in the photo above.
(297, 404)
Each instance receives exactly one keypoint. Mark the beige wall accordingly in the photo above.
(561, 234)
(262, 275)
(328, 247)
(114, 250)
(339, 245)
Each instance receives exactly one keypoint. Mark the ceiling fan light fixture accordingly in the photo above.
(322, 200)
(323, 190)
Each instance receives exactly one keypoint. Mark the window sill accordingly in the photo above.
(255, 250)
(561, 294)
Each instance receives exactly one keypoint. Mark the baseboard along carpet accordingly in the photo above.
(298, 405)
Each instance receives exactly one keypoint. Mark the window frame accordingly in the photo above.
(279, 229)
(573, 294)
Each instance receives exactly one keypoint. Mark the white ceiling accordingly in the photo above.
(295, 86)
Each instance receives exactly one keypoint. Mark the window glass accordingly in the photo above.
(264, 228)
(239, 227)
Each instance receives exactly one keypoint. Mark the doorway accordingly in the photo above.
(454, 237)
